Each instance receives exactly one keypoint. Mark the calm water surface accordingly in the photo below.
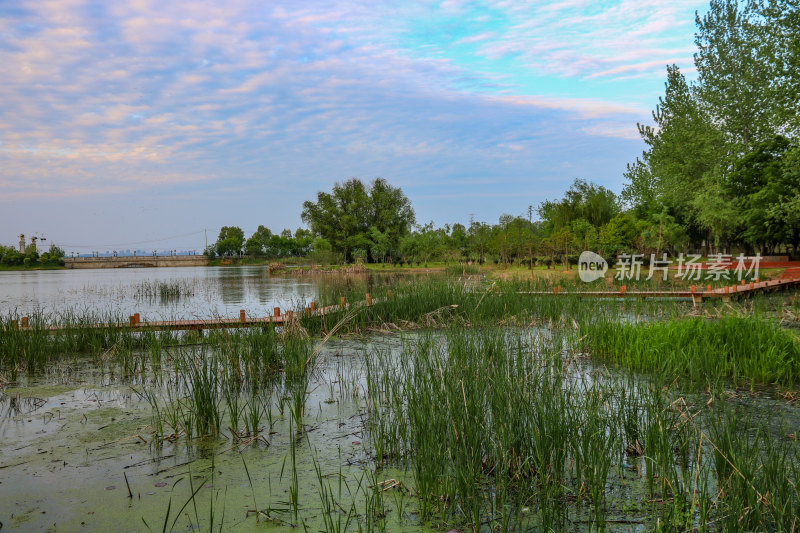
(205, 291)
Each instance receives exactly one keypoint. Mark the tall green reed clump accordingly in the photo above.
(499, 428)
(31, 349)
(440, 302)
(485, 420)
(164, 291)
(230, 382)
(757, 473)
(744, 349)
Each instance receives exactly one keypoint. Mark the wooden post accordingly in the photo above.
(694, 289)
(132, 320)
(342, 303)
(313, 306)
(276, 312)
(727, 289)
(136, 318)
(369, 300)
(743, 282)
(709, 288)
(242, 316)
(24, 322)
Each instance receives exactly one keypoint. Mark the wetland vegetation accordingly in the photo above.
(452, 402)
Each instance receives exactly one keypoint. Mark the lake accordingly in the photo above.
(205, 292)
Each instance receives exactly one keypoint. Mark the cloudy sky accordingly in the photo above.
(141, 123)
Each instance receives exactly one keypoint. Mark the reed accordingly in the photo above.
(742, 349)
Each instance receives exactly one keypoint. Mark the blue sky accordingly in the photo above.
(132, 122)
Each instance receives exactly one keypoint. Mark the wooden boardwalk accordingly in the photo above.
(790, 279)
(726, 293)
(200, 325)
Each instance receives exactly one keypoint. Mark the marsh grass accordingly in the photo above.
(169, 291)
(502, 428)
(745, 350)
(231, 382)
(440, 302)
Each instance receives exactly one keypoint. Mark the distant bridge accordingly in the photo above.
(139, 261)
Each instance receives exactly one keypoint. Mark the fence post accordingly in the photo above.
(136, 318)
(369, 300)
(276, 312)
(132, 320)
(342, 303)
(24, 322)
(242, 316)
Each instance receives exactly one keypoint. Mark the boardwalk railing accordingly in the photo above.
(726, 293)
(243, 321)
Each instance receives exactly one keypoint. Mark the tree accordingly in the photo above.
(380, 244)
(230, 241)
(660, 233)
(345, 217)
(584, 200)
(683, 147)
(54, 256)
(714, 208)
(256, 245)
(618, 235)
(779, 46)
(458, 239)
(735, 74)
(757, 183)
(322, 251)
(478, 236)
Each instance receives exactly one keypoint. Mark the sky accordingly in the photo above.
(150, 124)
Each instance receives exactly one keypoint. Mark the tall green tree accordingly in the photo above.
(779, 44)
(230, 241)
(345, 216)
(683, 146)
(256, 245)
(735, 73)
(583, 200)
(760, 180)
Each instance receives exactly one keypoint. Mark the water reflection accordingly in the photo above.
(155, 293)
